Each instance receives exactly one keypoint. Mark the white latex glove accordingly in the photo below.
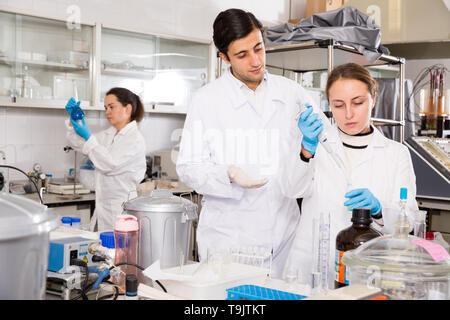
(241, 178)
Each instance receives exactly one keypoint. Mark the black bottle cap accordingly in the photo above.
(362, 216)
(131, 283)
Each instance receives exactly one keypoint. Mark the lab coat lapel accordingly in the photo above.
(236, 96)
(272, 101)
(378, 141)
(336, 146)
(238, 99)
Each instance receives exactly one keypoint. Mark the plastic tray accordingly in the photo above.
(252, 292)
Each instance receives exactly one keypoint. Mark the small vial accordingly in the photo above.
(420, 223)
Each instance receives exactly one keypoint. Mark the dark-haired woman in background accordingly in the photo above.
(118, 153)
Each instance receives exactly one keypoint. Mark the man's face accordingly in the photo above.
(247, 57)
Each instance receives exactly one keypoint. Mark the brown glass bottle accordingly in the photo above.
(350, 238)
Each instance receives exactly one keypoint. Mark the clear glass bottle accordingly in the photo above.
(402, 224)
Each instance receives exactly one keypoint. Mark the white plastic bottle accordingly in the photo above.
(76, 223)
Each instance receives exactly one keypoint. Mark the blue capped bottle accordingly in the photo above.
(402, 224)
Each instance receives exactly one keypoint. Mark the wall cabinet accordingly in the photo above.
(44, 62)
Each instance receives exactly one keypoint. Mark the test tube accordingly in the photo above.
(75, 90)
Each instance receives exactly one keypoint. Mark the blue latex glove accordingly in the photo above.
(362, 198)
(82, 130)
(71, 104)
(311, 126)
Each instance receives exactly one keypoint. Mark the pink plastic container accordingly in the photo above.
(126, 237)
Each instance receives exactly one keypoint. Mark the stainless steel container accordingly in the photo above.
(165, 223)
(24, 245)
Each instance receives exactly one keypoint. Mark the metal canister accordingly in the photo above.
(165, 223)
(24, 246)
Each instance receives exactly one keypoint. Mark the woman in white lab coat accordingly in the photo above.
(370, 173)
(118, 153)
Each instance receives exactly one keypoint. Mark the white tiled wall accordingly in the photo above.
(30, 135)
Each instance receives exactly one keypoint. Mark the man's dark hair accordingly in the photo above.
(233, 24)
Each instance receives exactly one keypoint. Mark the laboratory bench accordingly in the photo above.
(82, 207)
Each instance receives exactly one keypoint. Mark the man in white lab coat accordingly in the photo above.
(234, 142)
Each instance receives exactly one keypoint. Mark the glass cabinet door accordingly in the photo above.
(163, 72)
(44, 61)
(7, 53)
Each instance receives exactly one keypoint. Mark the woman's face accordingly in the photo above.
(351, 104)
(117, 114)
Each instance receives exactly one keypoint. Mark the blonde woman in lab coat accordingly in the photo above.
(374, 168)
(118, 153)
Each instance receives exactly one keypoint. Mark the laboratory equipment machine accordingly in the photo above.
(24, 246)
(435, 151)
(64, 251)
(164, 163)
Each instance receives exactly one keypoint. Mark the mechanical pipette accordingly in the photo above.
(323, 139)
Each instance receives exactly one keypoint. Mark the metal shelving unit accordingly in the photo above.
(327, 54)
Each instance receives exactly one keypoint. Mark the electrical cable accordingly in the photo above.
(139, 267)
(116, 288)
(11, 167)
(112, 295)
(80, 263)
(86, 288)
(421, 81)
